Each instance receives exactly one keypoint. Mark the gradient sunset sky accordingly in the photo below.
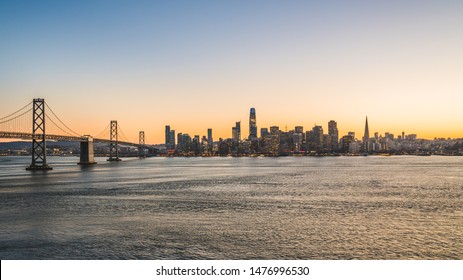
(196, 65)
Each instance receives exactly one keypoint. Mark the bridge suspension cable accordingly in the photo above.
(123, 135)
(104, 132)
(56, 126)
(17, 111)
(16, 117)
(19, 123)
(68, 131)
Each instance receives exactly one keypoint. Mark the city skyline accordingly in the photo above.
(229, 132)
(202, 65)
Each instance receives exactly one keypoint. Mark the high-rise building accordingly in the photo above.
(172, 139)
(345, 142)
(318, 137)
(263, 132)
(297, 141)
(179, 141)
(252, 124)
(366, 137)
(167, 136)
(196, 145)
(334, 134)
(186, 142)
(274, 130)
(209, 139)
(236, 131)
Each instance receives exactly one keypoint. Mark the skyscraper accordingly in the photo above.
(167, 136)
(236, 132)
(180, 141)
(252, 124)
(317, 137)
(366, 137)
(334, 134)
(172, 139)
(209, 139)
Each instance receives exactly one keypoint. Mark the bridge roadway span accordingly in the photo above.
(30, 136)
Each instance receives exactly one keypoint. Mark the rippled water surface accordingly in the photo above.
(234, 208)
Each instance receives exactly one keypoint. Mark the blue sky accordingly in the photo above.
(152, 63)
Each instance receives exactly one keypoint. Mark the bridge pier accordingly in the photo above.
(86, 152)
(39, 147)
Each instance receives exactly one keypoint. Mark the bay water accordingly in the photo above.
(375, 207)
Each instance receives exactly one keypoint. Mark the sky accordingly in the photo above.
(196, 65)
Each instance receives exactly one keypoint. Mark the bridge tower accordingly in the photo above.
(39, 147)
(141, 144)
(113, 151)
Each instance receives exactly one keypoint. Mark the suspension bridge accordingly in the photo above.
(28, 123)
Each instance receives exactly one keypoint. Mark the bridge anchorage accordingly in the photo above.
(39, 147)
(113, 143)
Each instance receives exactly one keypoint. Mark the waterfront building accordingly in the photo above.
(196, 145)
(300, 129)
(186, 144)
(271, 144)
(345, 142)
(297, 141)
(167, 142)
(317, 137)
(285, 143)
(236, 132)
(334, 135)
(389, 136)
(210, 140)
(263, 132)
(223, 147)
(204, 145)
(309, 143)
(354, 147)
(327, 145)
(180, 141)
(171, 140)
(275, 130)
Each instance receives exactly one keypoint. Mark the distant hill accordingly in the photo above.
(27, 144)
(15, 145)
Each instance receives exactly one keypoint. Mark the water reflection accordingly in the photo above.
(234, 208)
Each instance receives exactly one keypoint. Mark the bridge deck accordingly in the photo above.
(30, 136)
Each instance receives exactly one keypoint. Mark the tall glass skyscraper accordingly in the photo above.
(209, 138)
(167, 135)
(252, 124)
(366, 137)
